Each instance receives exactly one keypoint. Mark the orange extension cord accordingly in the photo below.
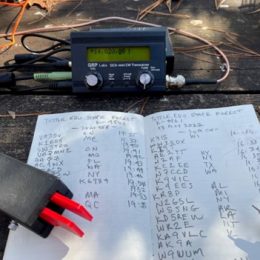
(23, 5)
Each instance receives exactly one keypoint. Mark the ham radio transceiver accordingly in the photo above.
(121, 60)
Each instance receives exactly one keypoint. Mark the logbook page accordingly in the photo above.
(100, 157)
(204, 176)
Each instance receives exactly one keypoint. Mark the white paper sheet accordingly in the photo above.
(100, 156)
(204, 177)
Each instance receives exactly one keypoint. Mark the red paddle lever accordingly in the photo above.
(56, 219)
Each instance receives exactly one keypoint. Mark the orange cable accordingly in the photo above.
(23, 5)
(12, 4)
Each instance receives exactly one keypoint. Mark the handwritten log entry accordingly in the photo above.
(101, 157)
(172, 185)
(204, 167)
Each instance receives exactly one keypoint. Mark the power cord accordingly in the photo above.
(60, 42)
(42, 58)
(39, 58)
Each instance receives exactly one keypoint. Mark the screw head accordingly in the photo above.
(13, 225)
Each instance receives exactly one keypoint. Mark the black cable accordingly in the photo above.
(7, 66)
(28, 77)
(200, 81)
(8, 81)
(11, 22)
(22, 58)
(59, 44)
(30, 89)
(63, 86)
(40, 58)
(47, 57)
(21, 89)
(59, 64)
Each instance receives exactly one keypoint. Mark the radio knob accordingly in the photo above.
(145, 80)
(93, 80)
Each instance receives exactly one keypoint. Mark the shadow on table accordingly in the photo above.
(252, 249)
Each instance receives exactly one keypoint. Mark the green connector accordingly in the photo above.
(53, 76)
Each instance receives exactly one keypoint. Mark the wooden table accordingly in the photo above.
(242, 86)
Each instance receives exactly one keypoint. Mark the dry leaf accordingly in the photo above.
(45, 4)
(12, 114)
(169, 5)
(218, 3)
(196, 22)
